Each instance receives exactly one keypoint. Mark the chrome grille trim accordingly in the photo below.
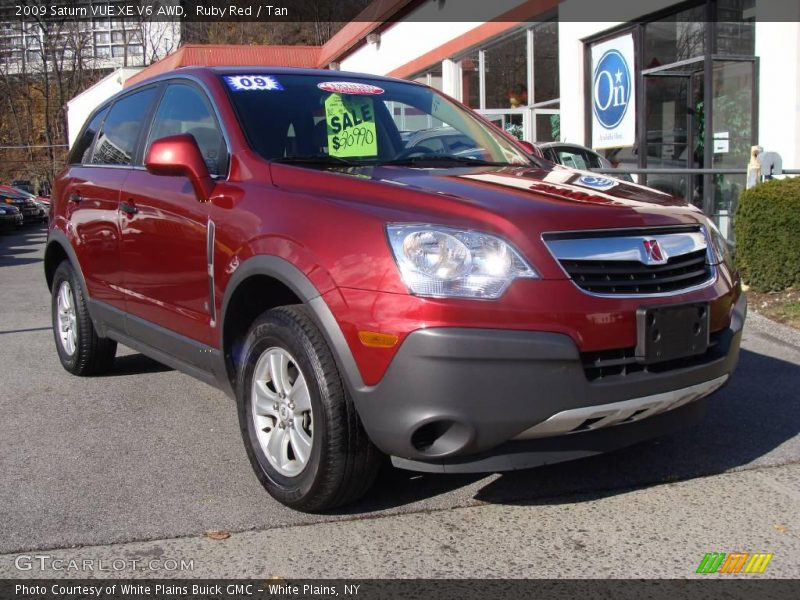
(590, 418)
(626, 247)
(601, 258)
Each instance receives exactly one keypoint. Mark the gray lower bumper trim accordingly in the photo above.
(587, 418)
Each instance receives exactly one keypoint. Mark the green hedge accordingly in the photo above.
(767, 229)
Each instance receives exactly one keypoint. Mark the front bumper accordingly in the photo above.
(9, 220)
(484, 400)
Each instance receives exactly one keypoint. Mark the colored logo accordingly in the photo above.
(611, 89)
(597, 183)
(348, 87)
(736, 562)
(653, 253)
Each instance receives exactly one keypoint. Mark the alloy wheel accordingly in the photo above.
(67, 320)
(282, 413)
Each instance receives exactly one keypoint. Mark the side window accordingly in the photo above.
(593, 160)
(183, 109)
(572, 158)
(117, 141)
(81, 150)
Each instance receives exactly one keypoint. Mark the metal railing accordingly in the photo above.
(682, 171)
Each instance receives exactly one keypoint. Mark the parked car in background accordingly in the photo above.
(441, 140)
(10, 216)
(459, 305)
(578, 157)
(24, 185)
(33, 211)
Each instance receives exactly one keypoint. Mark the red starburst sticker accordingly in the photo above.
(349, 87)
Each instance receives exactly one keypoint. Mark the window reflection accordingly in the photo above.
(507, 73)
(470, 80)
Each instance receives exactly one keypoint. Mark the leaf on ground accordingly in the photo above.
(215, 534)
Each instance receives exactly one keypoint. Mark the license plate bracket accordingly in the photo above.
(665, 333)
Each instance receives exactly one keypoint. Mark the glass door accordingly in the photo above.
(673, 126)
(733, 105)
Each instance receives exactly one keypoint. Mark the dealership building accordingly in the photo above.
(678, 92)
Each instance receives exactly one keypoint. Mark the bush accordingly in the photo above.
(767, 229)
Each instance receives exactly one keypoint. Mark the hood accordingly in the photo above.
(556, 198)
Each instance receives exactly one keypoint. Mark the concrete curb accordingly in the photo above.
(784, 333)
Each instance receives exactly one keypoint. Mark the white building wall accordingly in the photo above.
(778, 49)
(428, 28)
(82, 105)
(402, 43)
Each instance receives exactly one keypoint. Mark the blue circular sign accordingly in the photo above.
(611, 89)
(597, 182)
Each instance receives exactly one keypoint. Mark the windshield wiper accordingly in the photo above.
(444, 159)
(316, 159)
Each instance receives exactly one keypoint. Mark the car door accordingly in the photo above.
(165, 228)
(100, 162)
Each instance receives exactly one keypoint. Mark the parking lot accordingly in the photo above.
(144, 460)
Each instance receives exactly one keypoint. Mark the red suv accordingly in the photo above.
(449, 300)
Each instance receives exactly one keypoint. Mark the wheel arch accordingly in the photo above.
(57, 250)
(277, 282)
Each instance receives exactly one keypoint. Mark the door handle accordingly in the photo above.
(75, 197)
(128, 208)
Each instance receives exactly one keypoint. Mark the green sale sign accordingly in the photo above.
(351, 126)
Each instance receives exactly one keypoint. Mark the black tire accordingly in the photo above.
(93, 354)
(343, 462)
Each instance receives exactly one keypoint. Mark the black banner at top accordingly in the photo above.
(388, 10)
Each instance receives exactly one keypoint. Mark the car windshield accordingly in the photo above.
(345, 120)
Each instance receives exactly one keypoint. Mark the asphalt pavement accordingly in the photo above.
(145, 460)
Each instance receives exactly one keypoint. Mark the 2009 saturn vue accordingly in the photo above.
(364, 290)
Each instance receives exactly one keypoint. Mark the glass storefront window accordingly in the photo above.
(733, 131)
(518, 76)
(548, 127)
(545, 63)
(470, 80)
(506, 65)
(510, 122)
(432, 77)
(675, 38)
(735, 27)
(436, 78)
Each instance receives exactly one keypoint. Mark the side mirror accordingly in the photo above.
(179, 155)
(531, 149)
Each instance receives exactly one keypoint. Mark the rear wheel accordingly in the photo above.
(300, 428)
(80, 350)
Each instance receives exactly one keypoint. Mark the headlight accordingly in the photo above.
(720, 246)
(444, 262)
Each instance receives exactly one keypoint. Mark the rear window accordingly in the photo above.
(117, 141)
(81, 150)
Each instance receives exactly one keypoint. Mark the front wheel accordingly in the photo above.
(300, 428)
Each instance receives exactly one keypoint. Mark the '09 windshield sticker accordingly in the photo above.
(349, 87)
(351, 126)
(240, 83)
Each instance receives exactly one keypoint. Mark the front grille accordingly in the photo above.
(633, 277)
(620, 362)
